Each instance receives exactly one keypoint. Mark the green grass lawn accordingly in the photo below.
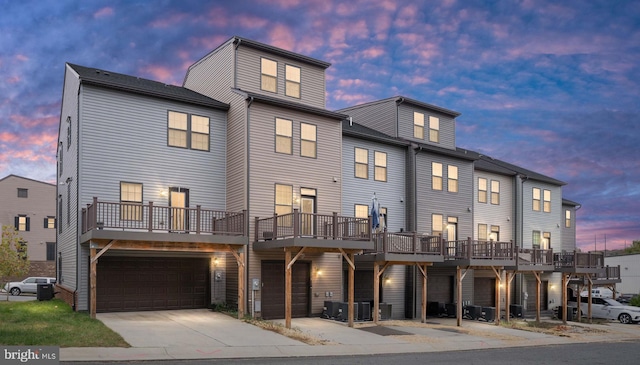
(52, 323)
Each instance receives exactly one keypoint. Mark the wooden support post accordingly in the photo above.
(351, 288)
(376, 291)
(538, 284)
(459, 292)
(507, 295)
(565, 282)
(423, 269)
(92, 282)
(287, 288)
(241, 281)
(498, 275)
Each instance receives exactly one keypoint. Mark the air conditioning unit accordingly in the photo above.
(384, 311)
(331, 309)
(343, 311)
(364, 311)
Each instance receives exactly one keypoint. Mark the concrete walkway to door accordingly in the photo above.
(203, 334)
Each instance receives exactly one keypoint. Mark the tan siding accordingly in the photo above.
(312, 80)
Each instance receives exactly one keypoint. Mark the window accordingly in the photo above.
(284, 201)
(308, 135)
(362, 163)
(284, 135)
(535, 239)
(23, 193)
(482, 190)
(547, 201)
(269, 71)
(362, 211)
(495, 192)
(546, 240)
(199, 133)
(51, 251)
(50, 222)
(188, 131)
(380, 166)
(567, 218)
(22, 223)
(68, 132)
(452, 179)
(292, 81)
(418, 125)
(536, 199)
(434, 129)
(436, 224)
(130, 201)
(495, 233)
(436, 173)
(482, 232)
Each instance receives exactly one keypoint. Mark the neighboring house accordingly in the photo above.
(629, 272)
(241, 187)
(30, 206)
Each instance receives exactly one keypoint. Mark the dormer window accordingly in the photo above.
(269, 71)
(434, 129)
(292, 84)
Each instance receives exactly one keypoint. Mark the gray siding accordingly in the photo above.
(381, 116)
(568, 233)
(539, 220)
(501, 215)
(213, 75)
(312, 79)
(390, 194)
(448, 204)
(67, 232)
(237, 161)
(447, 126)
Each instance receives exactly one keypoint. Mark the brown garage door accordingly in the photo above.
(484, 292)
(273, 289)
(151, 283)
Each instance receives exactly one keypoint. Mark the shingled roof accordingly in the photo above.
(137, 85)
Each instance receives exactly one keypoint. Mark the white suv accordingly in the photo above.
(28, 285)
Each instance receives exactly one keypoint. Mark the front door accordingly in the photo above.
(307, 208)
(179, 201)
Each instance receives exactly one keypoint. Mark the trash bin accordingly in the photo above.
(45, 292)
(569, 312)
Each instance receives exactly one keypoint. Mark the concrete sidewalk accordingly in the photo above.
(202, 334)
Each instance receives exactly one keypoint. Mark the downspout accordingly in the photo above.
(523, 179)
(398, 102)
(77, 200)
(246, 258)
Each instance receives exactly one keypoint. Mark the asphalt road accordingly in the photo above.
(608, 353)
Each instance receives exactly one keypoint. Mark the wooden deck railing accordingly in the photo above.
(153, 218)
(533, 257)
(312, 225)
(478, 250)
(574, 260)
(610, 273)
(406, 242)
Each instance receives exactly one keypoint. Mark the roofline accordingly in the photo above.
(401, 99)
(26, 178)
(374, 138)
(287, 104)
(240, 41)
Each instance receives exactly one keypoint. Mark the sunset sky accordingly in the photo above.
(552, 86)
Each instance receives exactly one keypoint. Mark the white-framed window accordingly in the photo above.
(436, 176)
(418, 125)
(308, 140)
(361, 163)
(269, 75)
(482, 190)
(495, 192)
(380, 166)
(482, 232)
(452, 178)
(292, 81)
(567, 218)
(188, 131)
(536, 199)
(130, 201)
(434, 129)
(547, 201)
(535, 239)
(284, 136)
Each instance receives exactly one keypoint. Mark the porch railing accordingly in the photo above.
(478, 250)
(578, 260)
(154, 218)
(533, 256)
(406, 242)
(312, 225)
(610, 273)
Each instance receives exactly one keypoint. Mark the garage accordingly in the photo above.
(151, 283)
(484, 292)
(273, 289)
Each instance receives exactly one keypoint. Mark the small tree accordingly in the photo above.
(13, 255)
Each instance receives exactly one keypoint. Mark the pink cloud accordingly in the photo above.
(208, 43)
(346, 9)
(218, 17)
(354, 82)
(104, 12)
(251, 22)
(350, 98)
(309, 44)
(160, 73)
(388, 5)
(7, 137)
(284, 4)
(168, 21)
(31, 122)
(373, 52)
(21, 57)
(12, 80)
(282, 36)
(406, 16)
(381, 26)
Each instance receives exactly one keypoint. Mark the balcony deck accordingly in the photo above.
(579, 262)
(532, 259)
(313, 231)
(479, 253)
(404, 247)
(161, 226)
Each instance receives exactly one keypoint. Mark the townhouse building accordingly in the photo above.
(30, 206)
(240, 187)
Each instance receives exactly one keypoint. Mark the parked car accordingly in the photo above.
(600, 293)
(28, 285)
(608, 308)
